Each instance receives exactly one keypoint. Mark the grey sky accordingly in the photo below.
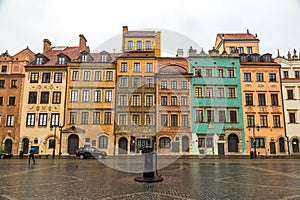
(27, 23)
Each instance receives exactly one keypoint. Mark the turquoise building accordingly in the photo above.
(216, 104)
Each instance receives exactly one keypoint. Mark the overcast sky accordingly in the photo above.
(196, 22)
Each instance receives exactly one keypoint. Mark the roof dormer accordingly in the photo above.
(40, 59)
(85, 57)
(62, 59)
(266, 57)
(105, 56)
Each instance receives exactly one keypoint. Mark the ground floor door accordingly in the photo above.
(73, 144)
(295, 143)
(233, 141)
(8, 146)
(123, 145)
(272, 148)
(143, 143)
(185, 144)
(221, 151)
(25, 145)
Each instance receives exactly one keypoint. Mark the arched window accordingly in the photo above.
(164, 142)
(281, 145)
(103, 142)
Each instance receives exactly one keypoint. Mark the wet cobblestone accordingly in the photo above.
(184, 179)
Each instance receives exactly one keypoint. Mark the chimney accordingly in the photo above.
(125, 29)
(47, 45)
(82, 43)
(179, 53)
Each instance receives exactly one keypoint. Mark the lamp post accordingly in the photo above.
(54, 147)
(60, 139)
(254, 139)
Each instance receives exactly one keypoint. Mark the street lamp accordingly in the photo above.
(254, 139)
(54, 146)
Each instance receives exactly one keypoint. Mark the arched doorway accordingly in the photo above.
(185, 144)
(233, 141)
(8, 146)
(295, 144)
(123, 145)
(25, 145)
(73, 144)
(281, 145)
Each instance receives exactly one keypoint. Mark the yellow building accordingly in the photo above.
(240, 42)
(263, 106)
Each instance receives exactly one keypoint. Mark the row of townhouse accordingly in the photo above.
(229, 101)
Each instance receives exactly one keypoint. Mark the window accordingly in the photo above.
(241, 49)
(108, 96)
(103, 142)
(231, 73)
(136, 82)
(74, 95)
(173, 100)
(85, 96)
(201, 142)
(138, 45)
(3, 68)
(209, 142)
(208, 73)
(149, 119)
(136, 101)
(259, 77)
(233, 116)
(46, 77)
(249, 50)
(123, 100)
(199, 116)
(261, 100)
(122, 119)
(164, 120)
(84, 118)
(136, 67)
(250, 121)
(231, 93)
(164, 101)
(247, 77)
(149, 82)
(13, 83)
(43, 119)
(56, 97)
(109, 76)
(198, 72)
(231, 49)
(1, 102)
(54, 119)
(222, 116)
(184, 120)
(98, 75)
(184, 101)
(30, 120)
(2, 83)
(51, 144)
(297, 74)
(32, 98)
(39, 61)
(149, 100)
(123, 82)
(285, 74)
(220, 92)
(149, 67)
(107, 118)
(10, 120)
(163, 85)
(148, 45)
(123, 67)
(183, 85)
(97, 95)
(249, 99)
(129, 44)
(135, 120)
(11, 101)
(34, 77)
(259, 142)
(44, 97)
(86, 75)
(164, 142)
(274, 99)
(61, 60)
(210, 116)
(104, 58)
(209, 92)
(290, 94)
(272, 77)
(96, 117)
(73, 117)
(84, 58)
(292, 117)
(173, 85)
(220, 73)
(263, 120)
(174, 120)
(75, 76)
(198, 92)
(57, 77)
(276, 121)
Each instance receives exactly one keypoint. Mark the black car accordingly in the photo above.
(85, 152)
(4, 155)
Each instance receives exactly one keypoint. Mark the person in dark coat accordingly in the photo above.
(31, 155)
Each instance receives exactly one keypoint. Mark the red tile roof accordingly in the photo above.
(237, 36)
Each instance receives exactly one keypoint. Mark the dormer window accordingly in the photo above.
(39, 61)
(61, 60)
(84, 58)
(104, 58)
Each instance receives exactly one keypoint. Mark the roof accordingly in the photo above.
(237, 36)
(140, 34)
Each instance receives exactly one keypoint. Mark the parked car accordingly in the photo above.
(4, 155)
(85, 152)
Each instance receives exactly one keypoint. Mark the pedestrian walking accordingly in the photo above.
(31, 155)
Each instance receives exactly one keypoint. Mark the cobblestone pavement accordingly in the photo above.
(183, 179)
